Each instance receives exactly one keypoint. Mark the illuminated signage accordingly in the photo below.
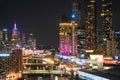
(94, 57)
(89, 51)
(110, 61)
(4, 55)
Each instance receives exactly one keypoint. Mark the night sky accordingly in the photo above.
(41, 17)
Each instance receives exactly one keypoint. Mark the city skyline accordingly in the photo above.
(41, 17)
(65, 39)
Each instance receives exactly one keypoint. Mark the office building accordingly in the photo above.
(107, 34)
(31, 41)
(90, 25)
(81, 36)
(11, 63)
(68, 37)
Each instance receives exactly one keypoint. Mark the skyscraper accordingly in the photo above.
(76, 12)
(11, 63)
(14, 34)
(23, 40)
(81, 36)
(106, 15)
(117, 37)
(90, 26)
(76, 17)
(107, 34)
(31, 41)
(5, 35)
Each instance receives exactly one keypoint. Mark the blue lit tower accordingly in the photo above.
(76, 12)
(75, 20)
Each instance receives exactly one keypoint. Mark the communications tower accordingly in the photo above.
(14, 33)
(76, 12)
(75, 18)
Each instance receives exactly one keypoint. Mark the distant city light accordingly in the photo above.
(18, 46)
(4, 29)
(4, 55)
(73, 16)
(2, 42)
(116, 57)
(56, 77)
(96, 57)
(64, 57)
(118, 32)
(82, 55)
(90, 51)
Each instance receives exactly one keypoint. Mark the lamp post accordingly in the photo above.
(73, 33)
(73, 37)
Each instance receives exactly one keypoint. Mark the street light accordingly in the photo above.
(73, 17)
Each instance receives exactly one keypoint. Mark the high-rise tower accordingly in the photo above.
(107, 19)
(14, 34)
(90, 26)
(11, 63)
(76, 12)
(5, 35)
(107, 34)
(32, 41)
(117, 37)
(81, 39)
(23, 39)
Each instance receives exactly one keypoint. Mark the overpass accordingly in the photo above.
(84, 75)
(59, 72)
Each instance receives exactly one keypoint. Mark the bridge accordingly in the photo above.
(81, 74)
(59, 72)
(33, 65)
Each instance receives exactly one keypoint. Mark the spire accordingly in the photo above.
(15, 28)
(14, 33)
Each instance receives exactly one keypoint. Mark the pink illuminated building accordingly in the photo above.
(67, 35)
